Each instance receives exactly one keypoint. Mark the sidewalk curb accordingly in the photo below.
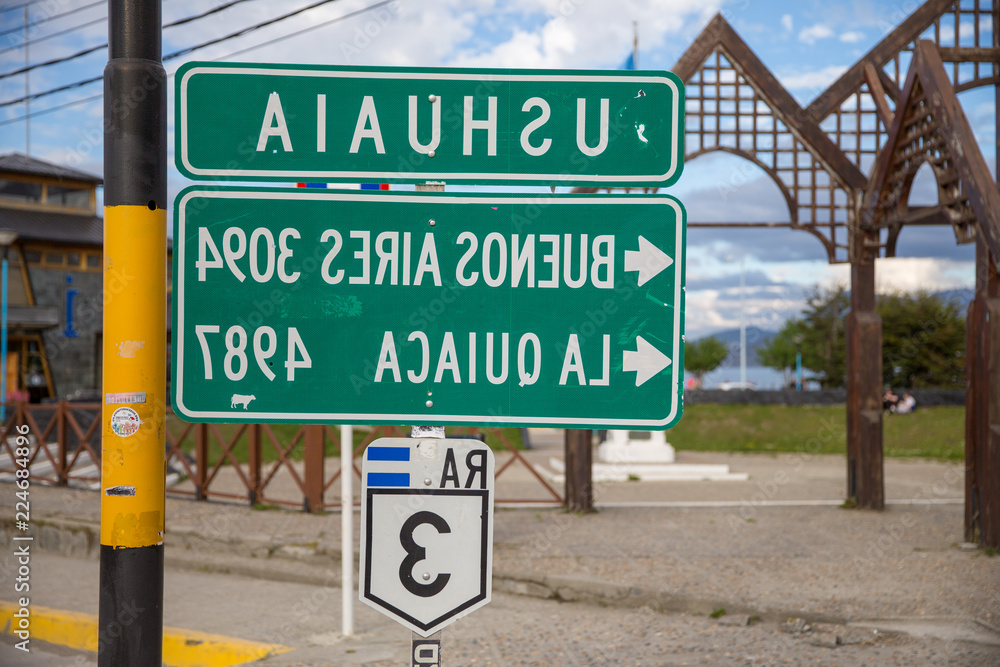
(181, 647)
(260, 557)
(264, 559)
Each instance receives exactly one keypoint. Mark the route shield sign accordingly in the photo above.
(309, 306)
(262, 122)
(426, 530)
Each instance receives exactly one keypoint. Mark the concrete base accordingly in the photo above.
(620, 447)
(648, 472)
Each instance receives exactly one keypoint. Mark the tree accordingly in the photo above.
(704, 356)
(923, 339)
(779, 353)
(824, 322)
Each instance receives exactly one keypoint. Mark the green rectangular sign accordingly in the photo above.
(263, 122)
(424, 308)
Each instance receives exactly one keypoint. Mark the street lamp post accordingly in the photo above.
(798, 338)
(743, 328)
(743, 323)
(7, 238)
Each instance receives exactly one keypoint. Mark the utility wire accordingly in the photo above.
(12, 8)
(42, 112)
(305, 30)
(240, 33)
(80, 54)
(177, 54)
(55, 34)
(170, 56)
(46, 19)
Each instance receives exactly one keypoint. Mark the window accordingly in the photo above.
(54, 258)
(16, 190)
(70, 197)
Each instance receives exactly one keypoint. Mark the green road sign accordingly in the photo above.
(306, 122)
(425, 308)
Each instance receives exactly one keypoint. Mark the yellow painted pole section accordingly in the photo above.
(135, 310)
(181, 648)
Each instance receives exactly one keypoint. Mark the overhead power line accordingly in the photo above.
(32, 42)
(305, 30)
(58, 107)
(177, 54)
(46, 19)
(80, 54)
(13, 7)
(240, 33)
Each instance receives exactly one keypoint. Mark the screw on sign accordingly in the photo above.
(427, 533)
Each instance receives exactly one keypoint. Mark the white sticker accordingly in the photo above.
(125, 422)
(126, 397)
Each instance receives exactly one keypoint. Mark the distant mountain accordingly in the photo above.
(962, 296)
(756, 338)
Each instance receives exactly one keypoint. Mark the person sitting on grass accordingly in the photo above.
(907, 405)
(889, 400)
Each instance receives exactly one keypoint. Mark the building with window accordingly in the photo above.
(55, 285)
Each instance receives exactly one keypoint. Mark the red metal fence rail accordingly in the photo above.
(242, 463)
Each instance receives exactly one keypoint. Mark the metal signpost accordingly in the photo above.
(328, 306)
(426, 532)
(308, 122)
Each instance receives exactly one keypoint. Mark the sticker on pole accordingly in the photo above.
(125, 422)
(426, 530)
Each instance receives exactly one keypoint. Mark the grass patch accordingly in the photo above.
(937, 432)
(285, 433)
(718, 613)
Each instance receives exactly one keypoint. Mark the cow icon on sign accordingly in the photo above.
(240, 399)
(426, 530)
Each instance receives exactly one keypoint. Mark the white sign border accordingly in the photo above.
(180, 211)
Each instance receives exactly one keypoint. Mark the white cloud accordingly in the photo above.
(787, 22)
(852, 36)
(578, 33)
(817, 80)
(814, 33)
(910, 274)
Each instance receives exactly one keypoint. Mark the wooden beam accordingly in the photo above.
(920, 215)
(977, 181)
(579, 477)
(901, 36)
(718, 34)
(315, 475)
(968, 54)
(864, 383)
(878, 95)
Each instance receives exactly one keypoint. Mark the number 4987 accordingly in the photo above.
(264, 345)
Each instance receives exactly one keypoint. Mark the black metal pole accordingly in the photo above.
(130, 631)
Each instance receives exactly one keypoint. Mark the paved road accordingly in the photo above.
(512, 630)
(40, 655)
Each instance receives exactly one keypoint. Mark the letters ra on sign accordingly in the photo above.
(426, 530)
(307, 122)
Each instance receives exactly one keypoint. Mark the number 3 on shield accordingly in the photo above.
(416, 553)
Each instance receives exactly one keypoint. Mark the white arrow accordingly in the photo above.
(648, 260)
(645, 360)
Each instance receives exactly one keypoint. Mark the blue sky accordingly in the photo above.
(806, 44)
